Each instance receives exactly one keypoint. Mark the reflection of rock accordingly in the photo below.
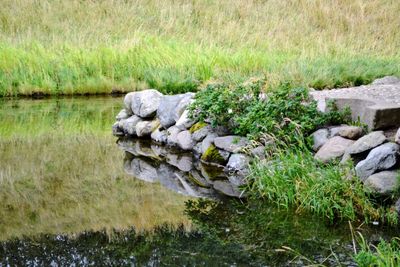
(180, 172)
(227, 189)
(142, 170)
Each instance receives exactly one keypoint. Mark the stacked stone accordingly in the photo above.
(376, 156)
(165, 119)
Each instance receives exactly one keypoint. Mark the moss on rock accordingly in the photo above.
(212, 155)
(197, 126)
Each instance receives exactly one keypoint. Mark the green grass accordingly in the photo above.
(384, 254)
(78, 47)
(291, 178)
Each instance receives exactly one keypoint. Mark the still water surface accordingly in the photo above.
(68, 199)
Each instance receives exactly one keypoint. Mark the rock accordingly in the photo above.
(237, 180)
(201, 132)
(380, 158)
(397, 136)
(207, 142)
(116, 130)
(346, 131)
(142, 170)
(367, 142)
(228, 189)
(166, 109)
(172, 135)
(184, 140)
(144, 149)
(258, 152)
(159, 150)
(386, 80)
(184, 121)
(231, 143)
(145, 128)
(384, 183)
(198, 149)
(159, 136)
(128, 102)
(123, 114)
(128, 126)
(168, 178)
(238, 163)
(145, 103)
(345, 159)
(185, 101)
(333, 149)
(320, 137)
(214, 155)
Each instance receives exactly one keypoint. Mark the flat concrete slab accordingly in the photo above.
(377, 105)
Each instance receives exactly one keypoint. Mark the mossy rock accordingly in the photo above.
(197, 126)
(213, 155)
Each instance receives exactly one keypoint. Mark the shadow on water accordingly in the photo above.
(91, 208)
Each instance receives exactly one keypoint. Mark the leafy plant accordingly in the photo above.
(246, 109)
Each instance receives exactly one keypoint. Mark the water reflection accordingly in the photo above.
(177, 170)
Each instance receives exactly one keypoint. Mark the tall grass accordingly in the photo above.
(70, 47)
(292, 178)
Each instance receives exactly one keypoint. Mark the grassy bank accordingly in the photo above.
(76, 47)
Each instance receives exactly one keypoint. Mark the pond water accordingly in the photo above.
(72, 196)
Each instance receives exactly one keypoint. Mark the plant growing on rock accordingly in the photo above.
(249, 109)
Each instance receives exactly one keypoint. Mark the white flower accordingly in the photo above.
(230, 111)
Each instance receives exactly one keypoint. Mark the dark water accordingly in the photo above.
(149, 214)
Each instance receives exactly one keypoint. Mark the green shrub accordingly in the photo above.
(250, 109)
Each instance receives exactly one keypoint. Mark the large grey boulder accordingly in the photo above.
(128, 102)
(172, 135)
(231, 143)
(346, 131)
(128, 125)
(145, 103)
(145, 128)
(167, 110)
(184, 140)
(320, 137)
(367, 142)
(386, 80)
(258, 152)
(159, 136)
(185, 122)
(333, 149)
(384, 183)
(238, 163)
(380, 158)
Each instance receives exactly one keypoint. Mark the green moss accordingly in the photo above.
(197, 126)
(212, 155)
(197, 181)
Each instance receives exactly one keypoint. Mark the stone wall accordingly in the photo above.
(165, 120)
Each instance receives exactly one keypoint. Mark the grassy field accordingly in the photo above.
(77, 47)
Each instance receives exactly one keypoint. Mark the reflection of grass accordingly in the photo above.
(61, 171)
(53, 184)
(66, 116)
(94, 46)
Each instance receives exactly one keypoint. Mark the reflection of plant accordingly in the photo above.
(247, 110)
